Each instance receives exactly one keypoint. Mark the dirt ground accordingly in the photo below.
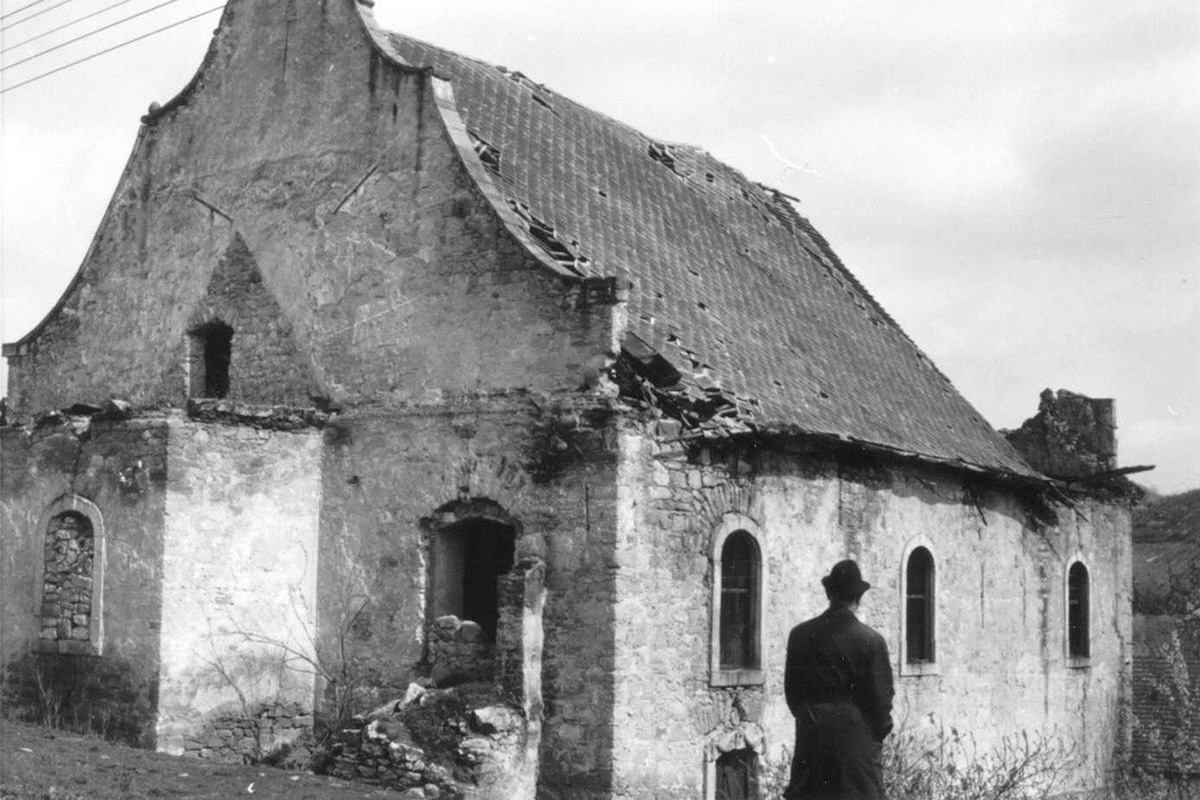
(40, 764)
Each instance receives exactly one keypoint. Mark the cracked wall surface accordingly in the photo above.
(1002, 664)
(326, 216)
(115, 470)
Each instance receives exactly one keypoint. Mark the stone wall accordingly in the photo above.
(111, 472)
(67, 584)
(280, 733)
(239, 576)
(549, 466)
(326, 216)
(1002, 665)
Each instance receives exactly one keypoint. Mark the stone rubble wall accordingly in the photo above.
(67, 586)
(457, 652)
(485, 749)
(280, 734)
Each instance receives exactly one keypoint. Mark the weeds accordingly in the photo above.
(82, 694)
(950, 764)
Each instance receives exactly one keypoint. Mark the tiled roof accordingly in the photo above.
(727, 281)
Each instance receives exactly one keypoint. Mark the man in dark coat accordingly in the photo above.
(838, 684)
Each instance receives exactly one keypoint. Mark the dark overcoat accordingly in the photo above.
(838, 684)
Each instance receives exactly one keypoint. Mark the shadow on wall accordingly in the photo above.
(83, 694)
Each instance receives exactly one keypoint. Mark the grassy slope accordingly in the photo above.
(39, 764)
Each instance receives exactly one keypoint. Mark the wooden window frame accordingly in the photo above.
(748, 676)
(907, 666)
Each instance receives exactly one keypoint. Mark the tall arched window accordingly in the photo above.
(737, 592)
(919, 607)
(738, 637)
(1078, 635)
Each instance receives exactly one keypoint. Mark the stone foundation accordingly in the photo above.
(279, 734)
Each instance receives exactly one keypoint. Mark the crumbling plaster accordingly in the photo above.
(1000, 593)
(117, 470)
(395, 279)
(239, 574)
(551, 468)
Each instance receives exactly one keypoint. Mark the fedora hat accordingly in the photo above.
(845, 580)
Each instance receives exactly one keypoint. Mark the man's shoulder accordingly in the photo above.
(865, 633)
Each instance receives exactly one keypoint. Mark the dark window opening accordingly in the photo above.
(469, 559)
(737, 775)
(738, 632)
(211, 354)
(1078, 639)
(919, 585)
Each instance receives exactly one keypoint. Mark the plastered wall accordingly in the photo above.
(550, 468)
(114, 472)
(1002, 665)
(305, 192)
(239, 576)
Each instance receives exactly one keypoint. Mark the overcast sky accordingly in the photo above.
(1018, 183)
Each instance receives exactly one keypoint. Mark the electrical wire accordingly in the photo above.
(22, 8)
(32, 16)
(68, 24)
(41, 53)
(110, 49)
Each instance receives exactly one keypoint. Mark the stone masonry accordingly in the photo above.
(67, 584)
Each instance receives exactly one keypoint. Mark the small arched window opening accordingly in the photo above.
(740, 601)
(919, 607)
(469, 557)
(211, 352)
(1078, 635)
(737, 775)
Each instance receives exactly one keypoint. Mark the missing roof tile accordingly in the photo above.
(489, 154)
(545, 235)
(662, 154)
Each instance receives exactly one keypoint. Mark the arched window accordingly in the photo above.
(919, 602)
(738, 637)
(737, 592)
(210, 355)
(1078, 635)
(737, 775)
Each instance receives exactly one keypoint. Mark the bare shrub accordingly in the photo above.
(950, 764)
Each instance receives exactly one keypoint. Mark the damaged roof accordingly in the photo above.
(728, 282)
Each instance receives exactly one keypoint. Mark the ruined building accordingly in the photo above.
(387, 366)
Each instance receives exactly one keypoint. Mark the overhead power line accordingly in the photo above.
(44, 34)
(22, 8)
(110, 49)
(31, 16)
(83, 36)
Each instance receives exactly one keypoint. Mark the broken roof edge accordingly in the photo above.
(460, 137)
(1031, 478)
